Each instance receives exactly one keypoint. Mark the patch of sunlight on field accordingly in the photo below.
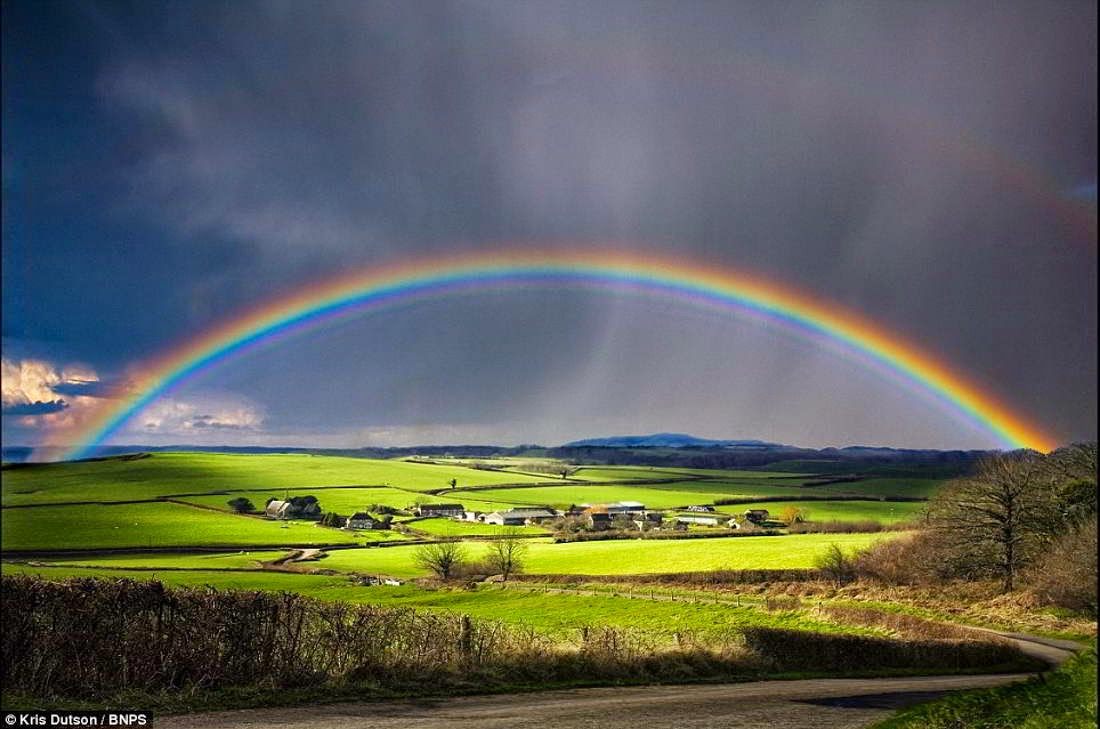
(160, 474)
(629, 556)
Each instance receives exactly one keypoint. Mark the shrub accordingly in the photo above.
(1065, 575)
(799, 650)
(241, 505)
(836, 565)
(835, 526)
(910, 560)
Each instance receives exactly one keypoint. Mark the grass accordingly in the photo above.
(346, 501)
(152, 525)
(451, 528)
(564, 495)
(630, 473)
(159, 474)
(628, 556)
(218, 560)
(913, 487)
(887, 512)
(554, 614)
(1064, 699)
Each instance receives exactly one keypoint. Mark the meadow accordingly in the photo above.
(556, 614)
(450, 528)
(625, 556)
(346, 500)
(163, 474)
(154, 524)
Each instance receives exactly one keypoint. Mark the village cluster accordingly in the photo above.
(593, 517)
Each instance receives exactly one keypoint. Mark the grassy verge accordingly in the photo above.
(1064, 699)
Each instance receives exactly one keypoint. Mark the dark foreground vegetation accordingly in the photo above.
(1064, 699)
(94, 640)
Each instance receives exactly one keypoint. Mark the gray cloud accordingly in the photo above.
(906, 161)
(35, 408)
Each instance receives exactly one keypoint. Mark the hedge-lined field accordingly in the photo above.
(628, 556)
(153, 525)
(160, 474)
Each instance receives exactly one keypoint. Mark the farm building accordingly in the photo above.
(364, 520)
(472, 516)
(296, 507)
(701, 507)
(757, 516)
(455, 510)
(278, 509)
(650, 520)
(536, 514)
(701, 520)
(598, 520)
(506, 518)
(625, 507)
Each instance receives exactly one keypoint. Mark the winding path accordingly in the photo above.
(810, 704)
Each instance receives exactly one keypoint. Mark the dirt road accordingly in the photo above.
(813, 704)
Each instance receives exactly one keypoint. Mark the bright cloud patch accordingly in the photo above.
(41, 393)
(200, 414)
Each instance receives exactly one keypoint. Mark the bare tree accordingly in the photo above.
(996, 520)
(507, 552)
(440, 558)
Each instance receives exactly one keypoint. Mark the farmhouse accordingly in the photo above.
(598, 520)
(296, 507)
(364, 520)
(473, 516)
(649, 520)
(757, 516)
(278, 509)
(455, 510)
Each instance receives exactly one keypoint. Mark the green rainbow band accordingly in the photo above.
(710, 286)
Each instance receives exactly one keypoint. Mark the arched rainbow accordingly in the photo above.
(410, 281)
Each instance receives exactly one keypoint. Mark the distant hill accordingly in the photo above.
(664, 440)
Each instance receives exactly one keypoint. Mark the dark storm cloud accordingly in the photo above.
(86, 388)
(908, 161)
(35, 408)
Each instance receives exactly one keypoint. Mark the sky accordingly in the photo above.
(930, 166)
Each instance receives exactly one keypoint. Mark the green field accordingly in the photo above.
(889, 512)
(450, 528)
(562, 496)
(346, 501)
(557, 614)
(160, 474)
(153, 525)
(240, 560)
(634, 473)
(912, 487)
(626, 556)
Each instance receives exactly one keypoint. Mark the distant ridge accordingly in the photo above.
(665, 440)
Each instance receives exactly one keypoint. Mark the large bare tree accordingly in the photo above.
(997, 519)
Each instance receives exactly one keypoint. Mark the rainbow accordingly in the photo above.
(425, 279)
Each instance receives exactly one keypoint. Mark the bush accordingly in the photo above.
(1065, 575)
(835, 526)
(911, 560)
(799, 650)
(241, 505)
(836, 565)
